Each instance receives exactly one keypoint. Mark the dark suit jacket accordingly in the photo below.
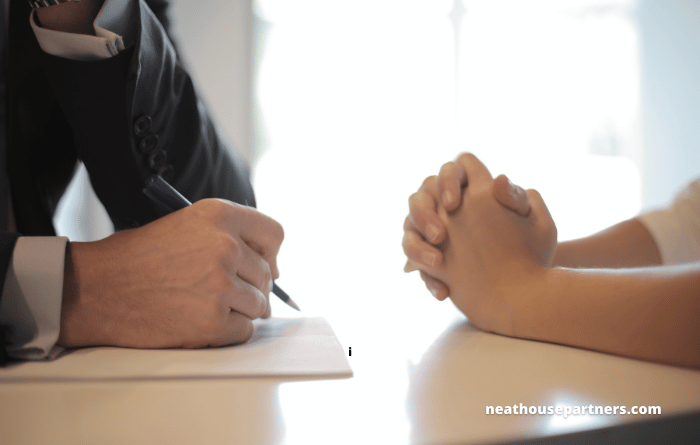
(125, 118)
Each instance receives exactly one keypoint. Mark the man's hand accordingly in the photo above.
(424, 229)
(73, 17)
(195, 278)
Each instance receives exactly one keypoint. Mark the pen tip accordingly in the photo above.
(293, 304)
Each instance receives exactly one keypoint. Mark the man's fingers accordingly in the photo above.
(436, 287)
(450, 181)
(249, 265)
(478, 176)
(418, 251)
(246, 299)
(268, 311)
(262, 233)
(422, 213)
(238, 329)
(511, 196)
(250, 279)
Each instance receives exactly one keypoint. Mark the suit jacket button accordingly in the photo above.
(157, 159)
(167, 172)
(149, 143)
(142, 125)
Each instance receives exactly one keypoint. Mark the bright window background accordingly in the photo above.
(359, 102)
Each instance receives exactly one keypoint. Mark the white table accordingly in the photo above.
(432, 392)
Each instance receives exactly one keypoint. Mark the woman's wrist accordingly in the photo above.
(520, 304)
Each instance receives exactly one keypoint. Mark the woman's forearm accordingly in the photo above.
(651, 314)
(624, 245)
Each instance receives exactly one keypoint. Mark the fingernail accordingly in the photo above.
(428, 258)
(447, 197)
(433, 290)
(513, 189)
(432, 232)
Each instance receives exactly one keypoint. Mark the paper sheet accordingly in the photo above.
(280, 347)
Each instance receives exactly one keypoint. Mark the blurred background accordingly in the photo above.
(343, 108)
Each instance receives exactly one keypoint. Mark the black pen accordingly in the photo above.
(170, 200)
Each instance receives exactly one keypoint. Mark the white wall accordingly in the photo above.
(215, 37)
(670, 45)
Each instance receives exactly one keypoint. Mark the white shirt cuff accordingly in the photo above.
(114, 26)
(32, 296)
(676, 229)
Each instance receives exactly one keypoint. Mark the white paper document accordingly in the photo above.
(280, 347)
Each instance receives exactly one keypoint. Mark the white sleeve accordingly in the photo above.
(31, 298)
(115, 28)
(676, 229)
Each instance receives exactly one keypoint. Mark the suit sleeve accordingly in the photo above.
(138, 114)
(7, 245)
